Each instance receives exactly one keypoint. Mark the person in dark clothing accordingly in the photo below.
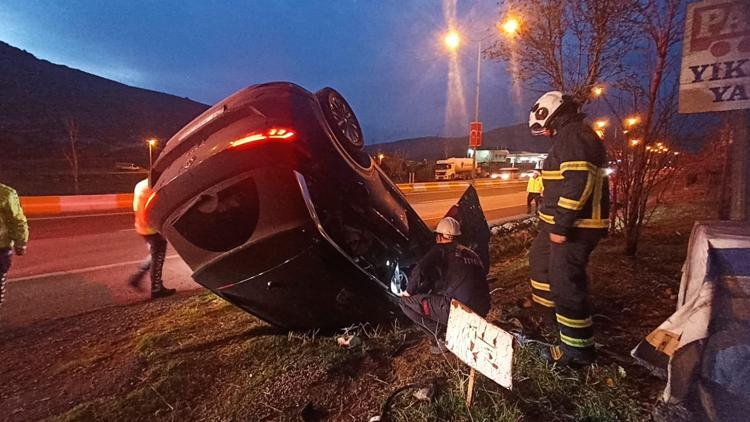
(573, 218)
(448, 271)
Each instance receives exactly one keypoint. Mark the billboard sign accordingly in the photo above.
(715, 72)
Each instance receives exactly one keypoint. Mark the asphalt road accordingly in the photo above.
(80, 263)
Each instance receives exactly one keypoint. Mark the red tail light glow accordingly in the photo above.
(273, 133)
(149, 201)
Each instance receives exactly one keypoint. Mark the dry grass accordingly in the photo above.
(204, 359)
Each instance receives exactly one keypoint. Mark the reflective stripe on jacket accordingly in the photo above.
(140, 197)
(576, 186)
(14, 229)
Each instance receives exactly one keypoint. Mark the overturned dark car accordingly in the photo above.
(271, 200)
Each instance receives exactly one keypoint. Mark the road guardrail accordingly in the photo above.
(72, 204)
(75, 204)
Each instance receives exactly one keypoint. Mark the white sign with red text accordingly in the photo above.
(715, 73)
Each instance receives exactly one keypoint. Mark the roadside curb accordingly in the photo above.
(510, 219)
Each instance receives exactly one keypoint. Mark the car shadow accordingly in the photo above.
(260, 331)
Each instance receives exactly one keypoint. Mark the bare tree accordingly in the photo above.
(627, 45)
(569, 45)
(644, 159)
(71, 128)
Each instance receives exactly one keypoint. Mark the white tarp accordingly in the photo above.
(713, 305)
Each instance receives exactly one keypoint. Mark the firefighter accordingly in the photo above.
(14, 232)
(573, 218)
(156, 243)
(534, 192)
(448, 271)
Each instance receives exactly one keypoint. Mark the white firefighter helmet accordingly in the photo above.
(543, 111)
(449, 226)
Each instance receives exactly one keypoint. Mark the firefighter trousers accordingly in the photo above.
(560, 284)
(429, 312)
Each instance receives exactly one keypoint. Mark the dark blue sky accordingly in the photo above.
(385, 56)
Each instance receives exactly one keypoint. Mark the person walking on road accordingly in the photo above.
(156, 243)
(573, 218)
(14, 232)
(448, 271)
(534, 189)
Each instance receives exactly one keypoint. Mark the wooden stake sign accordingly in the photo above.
(481, 345)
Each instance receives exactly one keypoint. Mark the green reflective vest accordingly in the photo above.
(14, 230)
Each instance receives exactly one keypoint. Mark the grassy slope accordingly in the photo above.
(203, 359)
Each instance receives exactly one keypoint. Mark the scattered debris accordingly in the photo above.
(349, 341)
(425, 393)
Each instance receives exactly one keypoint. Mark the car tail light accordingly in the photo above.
(281, 134)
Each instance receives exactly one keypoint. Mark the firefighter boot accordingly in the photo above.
(157, 263)
(158, 290)
(569, 356)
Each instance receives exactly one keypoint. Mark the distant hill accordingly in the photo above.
(514, 138)
(37, 96)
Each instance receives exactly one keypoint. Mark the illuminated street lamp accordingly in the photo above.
(631, 121)
(635, 142)
(151, 145)
(452, 40)
(597, 91)
(599, 126)
(511, 26)
(380, 158)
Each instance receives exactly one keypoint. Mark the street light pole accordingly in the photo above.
(151, 144)
(476, 107)
(479, 68)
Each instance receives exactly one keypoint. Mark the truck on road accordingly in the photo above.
(454, 168)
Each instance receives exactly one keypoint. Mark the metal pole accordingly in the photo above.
(740, 168)
(479, 67)
(476, 107)
(150, 157)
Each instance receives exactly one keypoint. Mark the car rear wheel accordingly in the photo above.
(344, 124)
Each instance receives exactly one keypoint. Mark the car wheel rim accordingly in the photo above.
(344, 118)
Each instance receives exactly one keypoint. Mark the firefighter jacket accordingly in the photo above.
(454, 271)
(535, 185)
(576, 189)
(14, 230)
(141, 195)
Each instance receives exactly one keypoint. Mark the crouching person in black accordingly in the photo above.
(448, 271)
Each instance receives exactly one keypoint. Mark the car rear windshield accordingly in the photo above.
(222, 220)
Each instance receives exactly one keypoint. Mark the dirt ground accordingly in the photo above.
(194, 357)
